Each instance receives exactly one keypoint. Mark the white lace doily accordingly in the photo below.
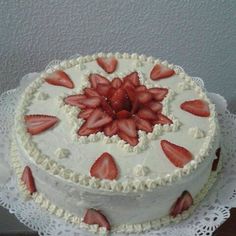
(212, 211)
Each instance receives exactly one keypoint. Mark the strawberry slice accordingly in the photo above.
(179, 156)
(162, 120)
(96, 79)
(85, 114)
(111, 92)
(140, 88)
(111, 128)
(116, 83)
(135, 106)
(144, 97)
(128, 127)
(161, 72)
(182, 203)
(158, 93)
(98, 118)
(216, 161)
(90, 92)
(60, 78)
(85, 131)
(119, 100)
(123, 114)
(96, 217)
(155, 106)
(143, 124)
(103, 89)
(107, 64)
(130, 90)
(28, 180)
(133, 78)
(36, 124)
(74, 100)
(82, 101)
(146, 114)
(104, 167)
(197, 107)
(107, 108)
(131, 140)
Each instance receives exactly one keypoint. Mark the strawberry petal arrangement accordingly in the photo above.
(116, 136)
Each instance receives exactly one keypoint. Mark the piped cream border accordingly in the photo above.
(126, 186)
(126, 228)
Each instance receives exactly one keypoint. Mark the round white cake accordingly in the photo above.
(115, 142)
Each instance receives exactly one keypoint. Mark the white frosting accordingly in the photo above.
(195, 132)
(140, 170)
(62, 153)
(42, 96)
(183, 86)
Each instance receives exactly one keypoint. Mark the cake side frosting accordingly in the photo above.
(73, 218)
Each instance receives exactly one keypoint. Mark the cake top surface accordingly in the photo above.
(165, 129)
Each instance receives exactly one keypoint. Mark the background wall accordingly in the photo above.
(199, 35)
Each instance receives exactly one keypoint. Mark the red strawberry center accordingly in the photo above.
(122, 106)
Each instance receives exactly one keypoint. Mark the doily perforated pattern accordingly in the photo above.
(212, 211)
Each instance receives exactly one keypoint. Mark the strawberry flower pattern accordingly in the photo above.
(120, 107)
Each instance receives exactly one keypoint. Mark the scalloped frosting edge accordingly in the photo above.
(44, 203)
(136, 185)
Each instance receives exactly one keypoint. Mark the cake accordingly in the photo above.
(115, 142)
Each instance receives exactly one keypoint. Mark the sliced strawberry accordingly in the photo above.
(28, 179)
(96, 79)
(36, 124)
(84, 114)
(85, 131)
(143, 124)
(179, 156)
(144, 97)
(135, 106)
(132, 78)
(162, 120)
(60, 78)
(111, 92)
(98, 118)
(216, 161)
(130, 90)
(75, 100)
(182, 203)
(119, 100)
(90, 92)
(96, 217)
(123, 114)
(140, 88)
(107, 108)
(103, 89)
(197, 107)
(155, 106)
(116, 83)
(107, 64)
(111, 128)
(158, 93)
(128, 127)
(131, 140)
(104, 167)
(146, 114)
(161, 72)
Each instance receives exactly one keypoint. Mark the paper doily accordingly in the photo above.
(211, 212)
